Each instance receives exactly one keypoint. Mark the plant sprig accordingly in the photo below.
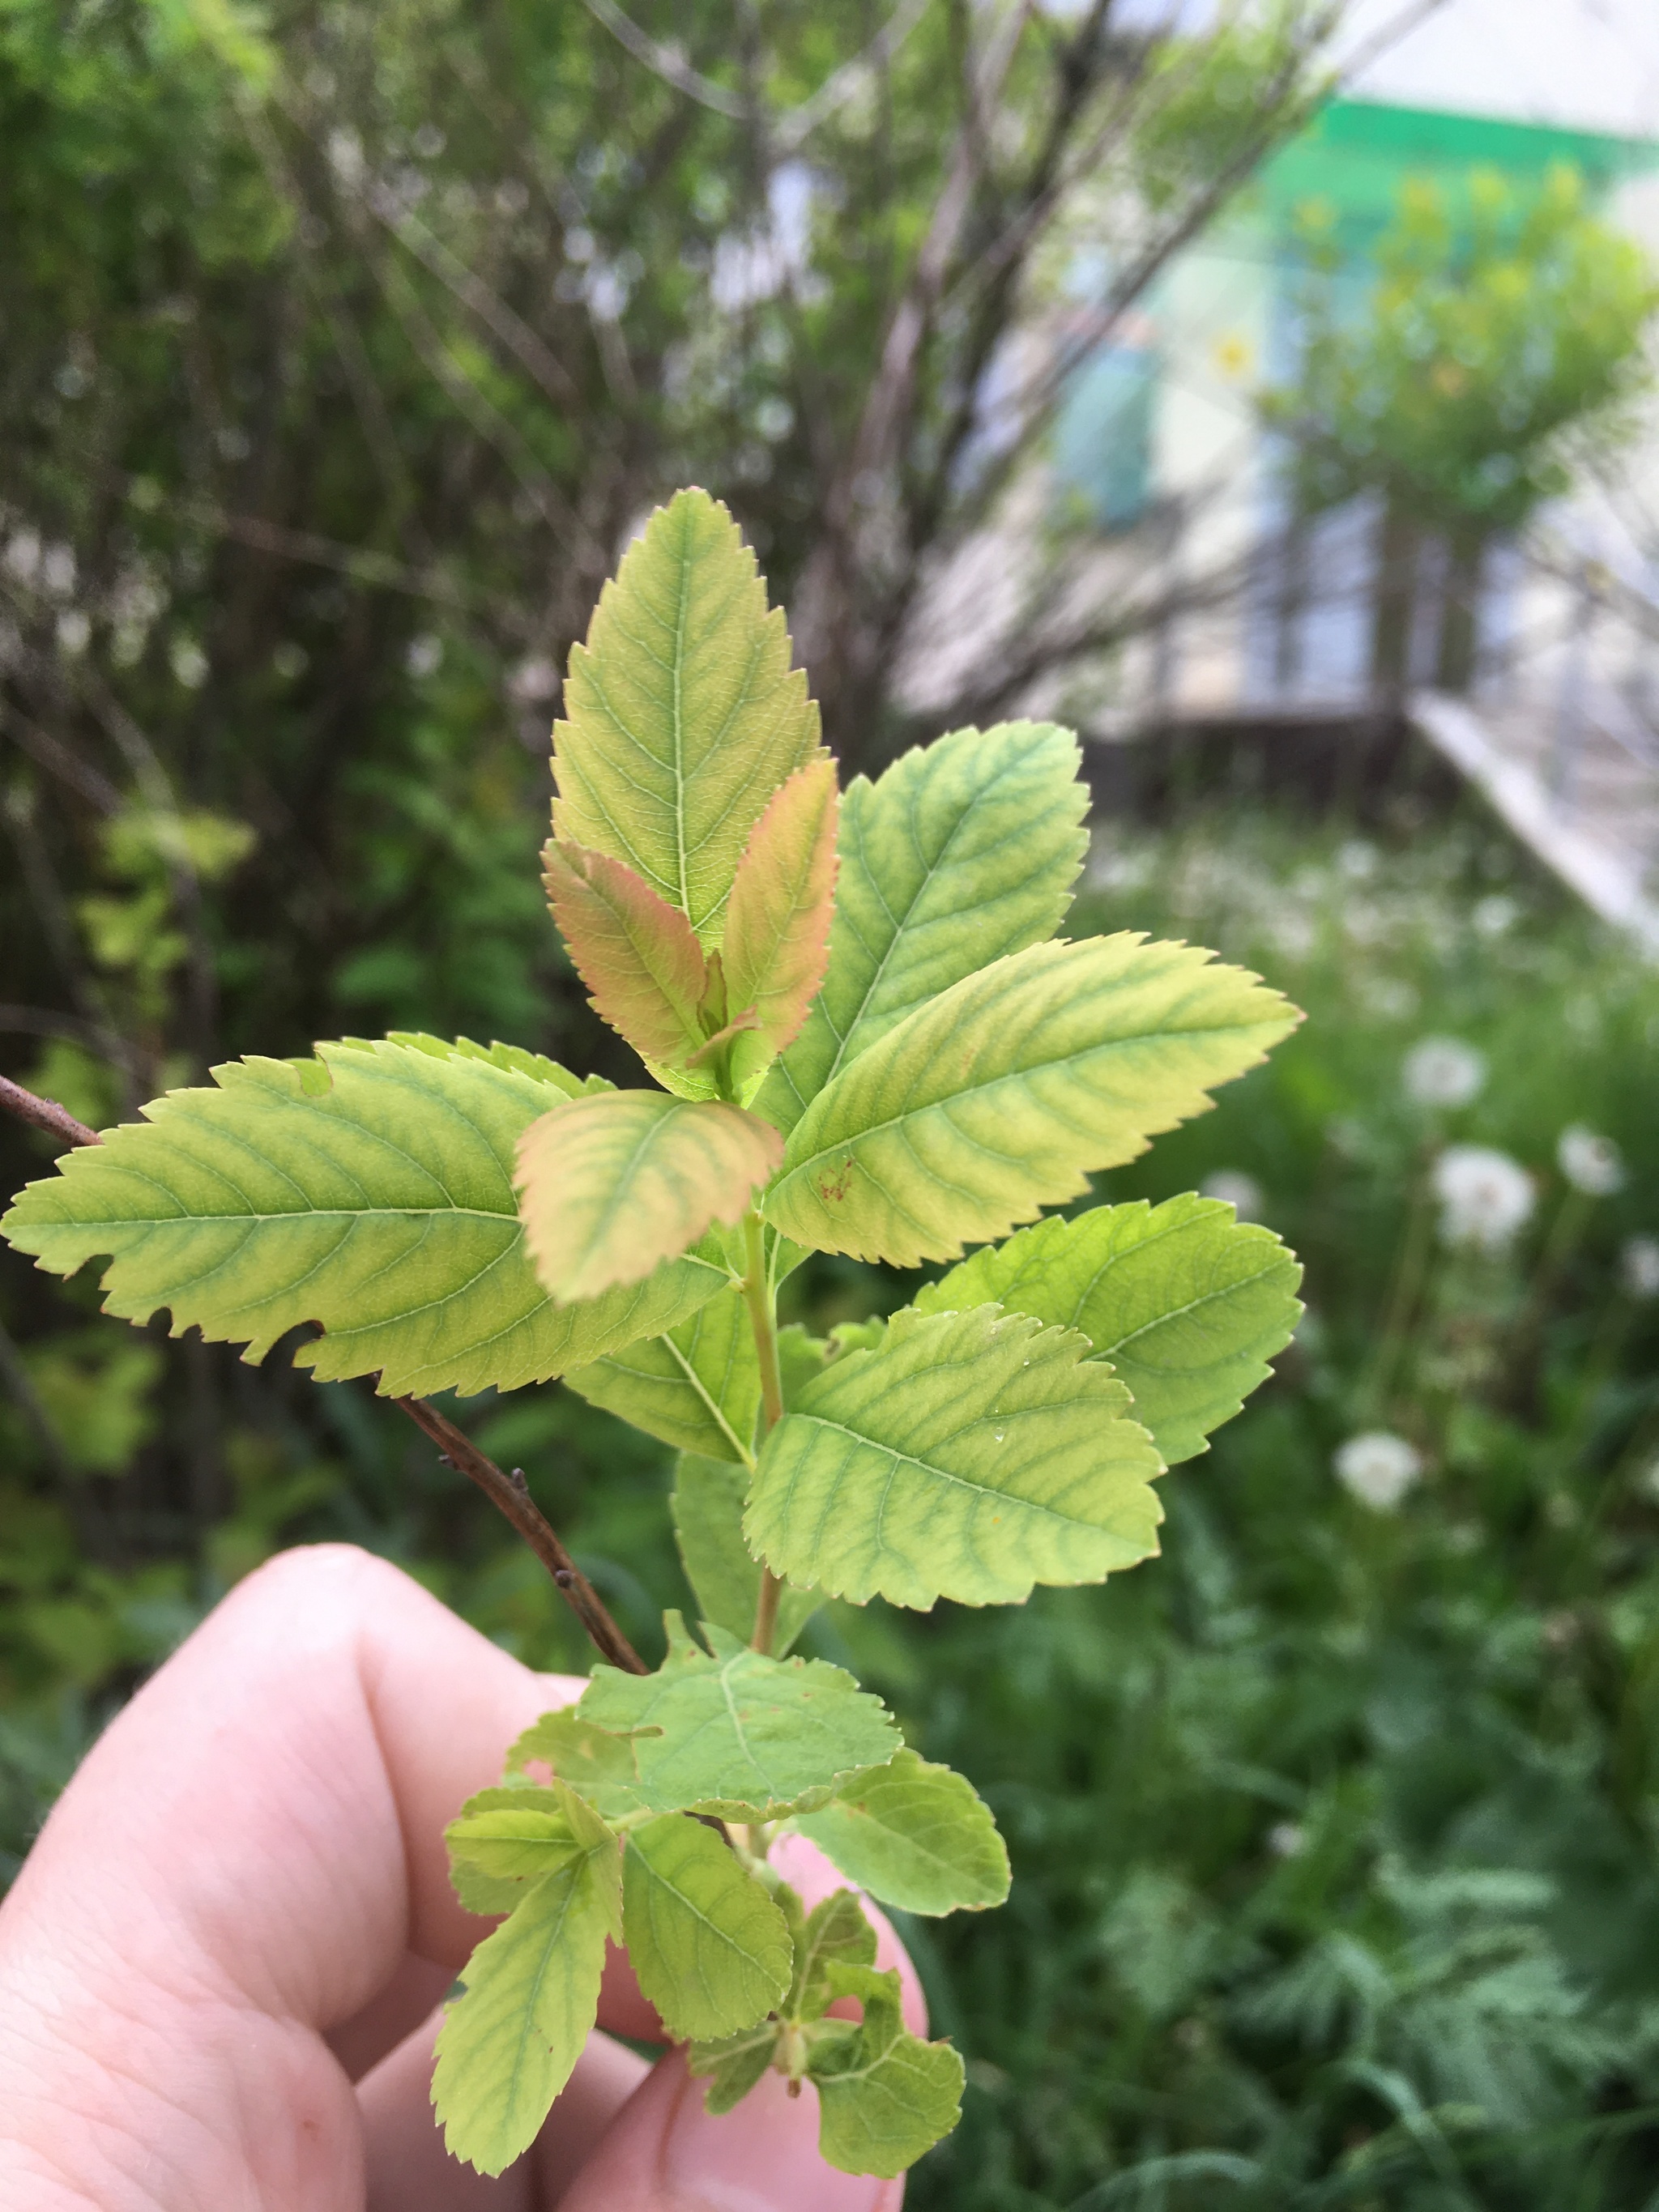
(866, 1040)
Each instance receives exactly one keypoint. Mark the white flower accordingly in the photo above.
(1485, 1196)
(74, 631)
(1357, 859)
(57, 570)
(190, 663)
(1443, 1071)
(532, 683)
(1591, 1163)
(22, 555)
(1494, 915)
(423, 656)
(1392, 1000)
(1235, 1188)
(1287, 1839)
(1378, 1467)
(1639, 1266)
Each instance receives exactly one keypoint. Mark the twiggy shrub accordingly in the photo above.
(869, 1041)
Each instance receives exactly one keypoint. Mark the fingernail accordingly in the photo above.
(761, 2157)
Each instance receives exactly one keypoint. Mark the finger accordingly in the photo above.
(246, 1857)
(665, 2153)
(409, 2166)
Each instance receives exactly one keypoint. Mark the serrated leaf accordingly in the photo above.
(963, 851)
(711, 1949)
(709, 1499)
(734, 2063)
(509, 2041)
(638, 955)
(611, 1186)
(370, 1190)
(968, 1456)
(1000, 1097)
(503, 1837)
(1187, 1303)
(602, 1767)
(885, 2096)
(697, 1388)
(741, 1736)
(915, 1835)
(777, 925)
(835, 1930)
(685, 714)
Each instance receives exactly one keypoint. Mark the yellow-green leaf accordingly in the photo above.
(613, 1185)
(697, 1388)
(915, 1835)
(739, 1734)
(531, 1991)
(502, 1839)
(369, 1190)
(1187, 1303)
(685, 714)
(1001, 1096)
(968, 1456)
(711, 1949)
(965, 850)
(885, 2096)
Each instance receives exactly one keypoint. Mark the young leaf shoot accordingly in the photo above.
(864, 1037)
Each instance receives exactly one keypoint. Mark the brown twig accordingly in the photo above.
(509, 1494)
(45, 1114)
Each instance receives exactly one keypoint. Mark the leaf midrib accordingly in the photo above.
(902, 1458)
(985, 1089)
(901, 923)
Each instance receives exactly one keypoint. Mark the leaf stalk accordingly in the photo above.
(761, 1300)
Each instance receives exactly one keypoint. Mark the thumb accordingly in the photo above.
(663, 2153)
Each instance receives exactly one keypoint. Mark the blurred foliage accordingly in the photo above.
(340, 348)
(1333, 1830)
(1499, 322)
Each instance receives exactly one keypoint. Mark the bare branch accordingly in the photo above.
(667, 61)
(510, 1497)
(792, 130)
(60, 759)
(515, 333)
(361, 563)
(45, 1114)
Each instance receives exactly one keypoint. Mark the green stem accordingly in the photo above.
(762, 1319)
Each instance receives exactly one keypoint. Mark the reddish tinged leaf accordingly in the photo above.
(777, 925)
(606, 1195)
(638, 955)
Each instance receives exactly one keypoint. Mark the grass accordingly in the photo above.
(1332, 1830)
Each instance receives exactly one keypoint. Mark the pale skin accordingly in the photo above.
(220, 1964)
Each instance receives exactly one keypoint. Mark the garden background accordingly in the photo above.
(340, 349)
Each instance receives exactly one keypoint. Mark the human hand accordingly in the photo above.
(221, 1964)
